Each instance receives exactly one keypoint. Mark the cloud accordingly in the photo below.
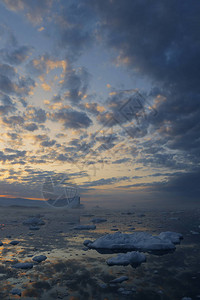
(48, 143)
(34, 9)
(43, 64)
(11, 83)
(11, 154)
(35, 114)
(17, 55)
(76, 82)
(164, 49)
(72, 119)
(31, 126)
(106, 181)
(121, 161)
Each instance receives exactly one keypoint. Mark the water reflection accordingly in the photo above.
(73, 272)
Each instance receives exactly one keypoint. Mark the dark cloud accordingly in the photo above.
(13, 120)
(76, 82)
(35, 114)
(72, 119)
(10, 84)
(11, 154)
(165, 49)
(121, 161)
(15, 56)
(48, 143)
(75, 27)
(31, 126)
(7, 104)
(7, 71)
(107, 181)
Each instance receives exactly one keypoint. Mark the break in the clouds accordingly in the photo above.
(109, 88)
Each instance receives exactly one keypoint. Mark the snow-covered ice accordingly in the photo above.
(141, 241)
(133, 258)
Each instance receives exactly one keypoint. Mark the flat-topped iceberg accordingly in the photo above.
(133, 258)
(141, 241)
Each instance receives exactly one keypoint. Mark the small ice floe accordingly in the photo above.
(141, 215)
(86, 242)
(123, 291)
(39, 258)
(194, 232)
(85, 227)
(141, 241)
(132, 228)
(98, 220)
(133, 258)
(186, 298)
(23, 266)
(34, 221)
(30, 234)
(174, 237)
(1, 244)
(103, 285)
(119, 279)
(34, 228)
(14, 243)
(16, 291)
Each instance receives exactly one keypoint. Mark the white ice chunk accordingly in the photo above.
(141, 241)
(174, 237)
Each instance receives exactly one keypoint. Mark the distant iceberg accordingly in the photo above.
(73, 202)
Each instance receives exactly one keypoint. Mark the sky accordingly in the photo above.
(102, 94)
